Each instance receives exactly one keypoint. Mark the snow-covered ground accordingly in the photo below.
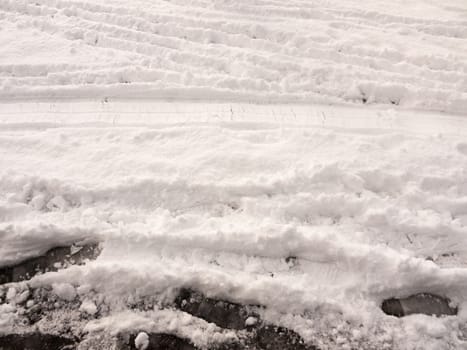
(350, 187)
(217, 196)
(410, 53)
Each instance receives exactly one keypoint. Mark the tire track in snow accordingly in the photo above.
(98, 21)
(200, 55)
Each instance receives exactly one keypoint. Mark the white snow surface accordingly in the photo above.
(216, 196)
(407, 53)
(142, 341)
(64, 291)
(282, 156)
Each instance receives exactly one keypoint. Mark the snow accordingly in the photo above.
(309, 157)
(89, 307)
(338, 51)
(170, 321)
(64, 291)
(360, 198)
(142, 341)
(251, 321)
(11, 294)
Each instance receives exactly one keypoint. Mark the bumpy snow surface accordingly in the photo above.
(315, 212)
(411, 53)
(318, 214)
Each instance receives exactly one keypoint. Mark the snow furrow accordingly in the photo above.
(242, 57)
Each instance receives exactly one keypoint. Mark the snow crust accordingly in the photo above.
(412, 54)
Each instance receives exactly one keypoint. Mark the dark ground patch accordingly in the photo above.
(253, 333)
(159, 341)
(53, 260)
(266, 337)
(35, 341)
(260, 336)
(222, 313)
(423, 303)
(269, 337)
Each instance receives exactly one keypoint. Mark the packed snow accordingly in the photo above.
(307, 156)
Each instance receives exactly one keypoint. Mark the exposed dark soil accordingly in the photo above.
(35, 341)
(53, 260)
(423, 303)
(159, 341)
(254, 333)
(264, 338)
(222, 313)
